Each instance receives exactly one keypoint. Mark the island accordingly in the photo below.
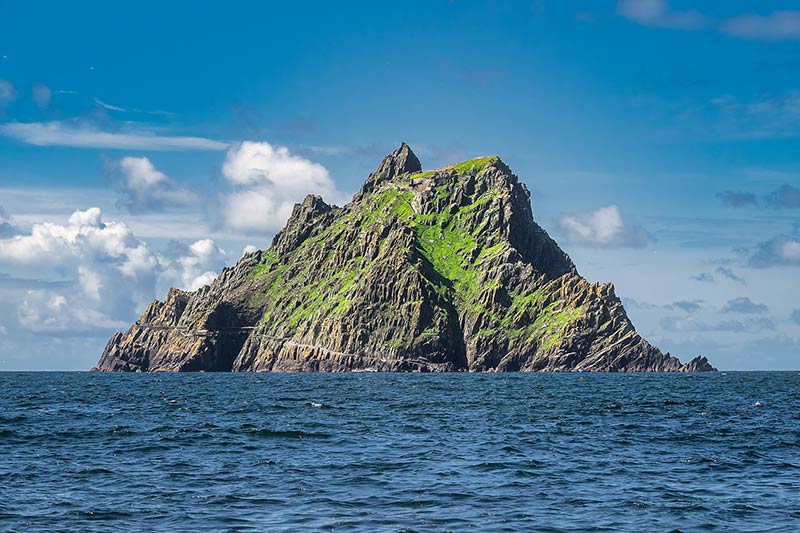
(438, 270)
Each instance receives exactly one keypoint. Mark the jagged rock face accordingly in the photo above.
(443, 270)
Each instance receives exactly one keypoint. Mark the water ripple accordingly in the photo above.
(392, 452)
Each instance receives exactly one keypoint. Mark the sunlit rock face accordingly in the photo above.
(442, 270)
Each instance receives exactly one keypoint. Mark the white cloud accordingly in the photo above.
(198, 267)
(114, 273)
(776, 26)
(782, 250)
(779, 25)
(268, 180)
(47, 311)
(109, 106)
(604, 227)
(249, 249)
(143, 188)
(78, 135)
(41, 95)
(658, 13)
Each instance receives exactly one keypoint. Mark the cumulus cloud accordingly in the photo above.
(267, 181)
(795, 316)
(143, 188)
(744, 305)
(249, 249)
(7, 225)
(781, 250)
(114, 273)
(197, 266)
(779, 25)
(46, 311)
(658, 13)
(737, 198)
(604, 227)
(41, 95)
(78, 135)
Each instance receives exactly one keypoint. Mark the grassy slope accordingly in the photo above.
(312, 286)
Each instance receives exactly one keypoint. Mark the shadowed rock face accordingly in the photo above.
(443, 270)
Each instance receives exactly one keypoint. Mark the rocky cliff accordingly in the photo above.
(443, 270)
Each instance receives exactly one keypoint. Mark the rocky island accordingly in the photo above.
(442, 270)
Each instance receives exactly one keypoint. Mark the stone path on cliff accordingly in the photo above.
(246, 329)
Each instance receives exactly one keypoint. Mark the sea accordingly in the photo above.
(400, 452)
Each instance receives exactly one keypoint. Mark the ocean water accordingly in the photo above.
(399, 452)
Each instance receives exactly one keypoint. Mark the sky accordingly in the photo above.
(147, 145)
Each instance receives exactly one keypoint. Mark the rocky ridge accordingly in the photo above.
(443, 270)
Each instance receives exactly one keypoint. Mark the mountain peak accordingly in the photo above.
(401, 161)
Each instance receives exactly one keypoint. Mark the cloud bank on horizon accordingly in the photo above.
(667, 169)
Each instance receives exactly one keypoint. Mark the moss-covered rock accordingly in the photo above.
(441, 270)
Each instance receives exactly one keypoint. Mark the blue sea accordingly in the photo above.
(400, 452)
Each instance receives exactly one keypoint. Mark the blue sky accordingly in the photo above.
(659, 140)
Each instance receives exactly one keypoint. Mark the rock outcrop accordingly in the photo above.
(443, 270)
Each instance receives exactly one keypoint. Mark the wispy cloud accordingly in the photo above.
(41, 95)
(744, 305)
(779, 25)
(737, 198)
(775, 26)
(690, 324)
(658, 13)
(771, 115)
(784, 197)
(727, 273)
(83, 136)
(688, 306)
(109, 106)
(7, 94)
(704, 277)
